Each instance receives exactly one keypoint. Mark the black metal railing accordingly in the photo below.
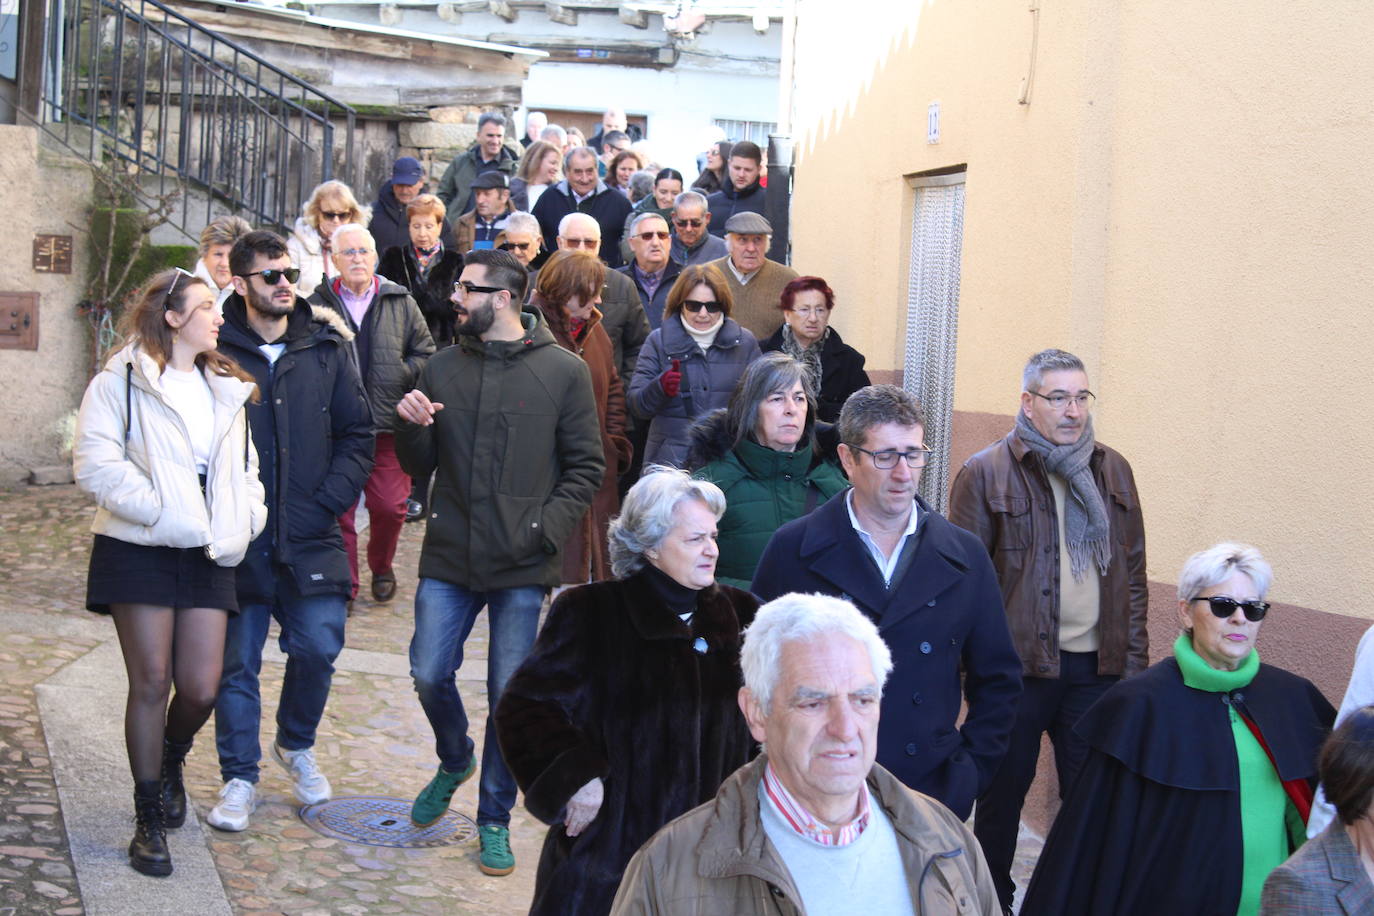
(189, 108)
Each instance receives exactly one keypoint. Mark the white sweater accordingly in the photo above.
(147, 489)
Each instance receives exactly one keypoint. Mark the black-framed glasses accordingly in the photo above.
(696, 305)
(272, 276)
(886, 460)
(1060, 401)
(464, 288)
(171, 290)
(1224, 607)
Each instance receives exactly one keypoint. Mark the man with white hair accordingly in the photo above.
(535, 122)
(813, 824)
(522, 239)
(755, 282)
(582, 191)
(614, 119)
(652, 271)
(692, 243)
(392, 342)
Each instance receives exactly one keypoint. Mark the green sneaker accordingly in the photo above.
(497, 859)
(434, 798)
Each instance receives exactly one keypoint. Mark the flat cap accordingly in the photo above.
(488, 180)
(748, 224)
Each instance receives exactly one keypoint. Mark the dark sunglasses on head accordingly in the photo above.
(685, 223)
(271, 275)
(694, 305)
(1224, 607)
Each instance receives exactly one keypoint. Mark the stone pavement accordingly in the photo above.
(65, 809)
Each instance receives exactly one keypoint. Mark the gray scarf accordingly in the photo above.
(809, 357)
(1088, 531)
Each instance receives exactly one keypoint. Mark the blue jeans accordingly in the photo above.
(444, 615)
(312, 635)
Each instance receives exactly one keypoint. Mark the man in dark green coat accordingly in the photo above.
(507, 419)
(762, 453)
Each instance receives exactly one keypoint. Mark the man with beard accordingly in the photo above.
(1060, 516)
(507, 421)
(313, 432)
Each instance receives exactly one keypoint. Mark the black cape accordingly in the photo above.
(1152, 824)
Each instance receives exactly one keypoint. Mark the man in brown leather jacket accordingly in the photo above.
(1060, 516)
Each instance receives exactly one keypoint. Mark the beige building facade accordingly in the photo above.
(1172, 190)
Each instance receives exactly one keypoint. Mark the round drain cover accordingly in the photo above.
(377, 820)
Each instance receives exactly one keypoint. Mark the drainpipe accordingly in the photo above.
(778, 202)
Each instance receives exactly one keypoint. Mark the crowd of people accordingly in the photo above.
(590, 381)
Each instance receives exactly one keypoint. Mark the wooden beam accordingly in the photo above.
(502, 10)
(634, 18)
(561, 14)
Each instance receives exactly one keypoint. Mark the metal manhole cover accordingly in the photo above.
(377, 820)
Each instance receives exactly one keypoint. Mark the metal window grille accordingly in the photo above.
(757, 131)
(937, 233)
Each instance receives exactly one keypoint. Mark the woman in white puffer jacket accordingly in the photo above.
(163, 445)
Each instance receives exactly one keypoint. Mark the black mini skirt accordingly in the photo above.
(175, 577)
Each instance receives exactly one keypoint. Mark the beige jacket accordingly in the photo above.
(147, 489)
(716, 858)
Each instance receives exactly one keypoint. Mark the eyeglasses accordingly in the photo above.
(689, 223)
(354, 252)
(695, 305)
(620, 149)
(581, 243)
(650, 236)
(819, 311)
(1084, 400)
(171, 290)
(464, 288)
(336, 215)
(1224, 607)
(886, 460)
(271, 276)
(514, 246)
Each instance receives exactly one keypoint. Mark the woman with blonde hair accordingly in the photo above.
(541, 166)
(216, 241)
(330, 206)
(163, 445)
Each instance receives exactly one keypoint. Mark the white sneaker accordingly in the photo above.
(238, 799)
(311, 786)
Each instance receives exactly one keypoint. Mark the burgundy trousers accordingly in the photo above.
(385, 495)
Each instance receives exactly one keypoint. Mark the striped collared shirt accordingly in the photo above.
(801, 820)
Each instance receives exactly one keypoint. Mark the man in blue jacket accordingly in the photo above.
(928, 585)
(313, 432)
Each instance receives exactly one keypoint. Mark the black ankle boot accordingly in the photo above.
(148, 852)
(173, 789)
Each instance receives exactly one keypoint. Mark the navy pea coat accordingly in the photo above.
(942, 614)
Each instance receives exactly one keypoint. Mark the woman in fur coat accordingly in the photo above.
(624, 715)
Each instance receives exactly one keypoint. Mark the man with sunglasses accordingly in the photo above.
(930, 588)
(506, 420)
(392, 342)
(651, 271)
(1059, 514)
(692, 244)
(313, 432)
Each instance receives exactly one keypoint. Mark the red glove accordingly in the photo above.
(671, 380)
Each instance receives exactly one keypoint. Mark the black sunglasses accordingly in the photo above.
(272, 275)
(694, 305)
(1224, 607)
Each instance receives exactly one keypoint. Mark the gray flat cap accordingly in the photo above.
(748, 224)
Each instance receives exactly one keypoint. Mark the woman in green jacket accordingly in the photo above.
(761, 451)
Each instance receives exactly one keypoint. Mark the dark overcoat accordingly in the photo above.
(943, 614)
(616, 687)
(842, 372)
(1152, 824)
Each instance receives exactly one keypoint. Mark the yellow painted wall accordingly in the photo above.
(1184, 203)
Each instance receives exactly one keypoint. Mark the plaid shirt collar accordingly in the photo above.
(802, 821)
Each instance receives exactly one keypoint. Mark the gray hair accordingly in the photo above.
(575, 216)
(769, 373)
(578, 151)
(351, 227)
(874, 406)
(520, 221)
(647, 514)
(1050, 360)
(1215, 565)
(223, 230)
(801, 618)
(647, 214)
(690, 198)
(641, 185)
(554, 133)
(491, 117)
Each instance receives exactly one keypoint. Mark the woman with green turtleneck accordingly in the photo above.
(1200, 770)
(761, 451)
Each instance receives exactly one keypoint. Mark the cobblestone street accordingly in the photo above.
(65, 787)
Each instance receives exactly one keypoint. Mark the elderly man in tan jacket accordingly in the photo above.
(756, 283)
(813, 825)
